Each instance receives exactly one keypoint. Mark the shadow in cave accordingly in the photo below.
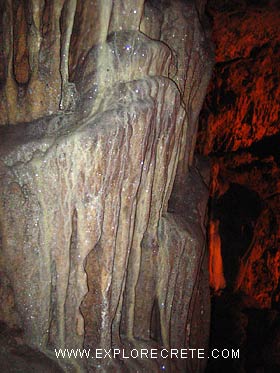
(236, 318)
(237, 211)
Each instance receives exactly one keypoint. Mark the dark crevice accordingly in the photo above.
(267, 146)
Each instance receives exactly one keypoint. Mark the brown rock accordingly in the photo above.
(92, 253)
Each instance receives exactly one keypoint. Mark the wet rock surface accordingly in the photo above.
(91, 254)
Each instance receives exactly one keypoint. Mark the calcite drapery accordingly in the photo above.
(90, 253)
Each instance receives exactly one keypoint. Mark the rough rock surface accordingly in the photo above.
(96, 251)
(239, 130)
(254, 226)
(242, 105)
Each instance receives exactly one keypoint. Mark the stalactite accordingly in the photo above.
(10, 93)
(68, 16)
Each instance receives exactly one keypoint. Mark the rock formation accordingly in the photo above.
(239, 130)
(243, 101)
(103, 203)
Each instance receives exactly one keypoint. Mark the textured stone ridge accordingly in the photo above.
(102, 209)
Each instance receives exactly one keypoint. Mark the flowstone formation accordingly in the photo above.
(102, 200)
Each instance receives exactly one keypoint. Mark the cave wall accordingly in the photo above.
(242, 105)
(253, 224)
(239, 130)
(99, 113)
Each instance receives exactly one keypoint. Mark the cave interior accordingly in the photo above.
(153, 259)
(239, 131)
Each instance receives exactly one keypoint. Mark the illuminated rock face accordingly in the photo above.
(251, 183)
(96, 248)
(240, 130)
(242, 105)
